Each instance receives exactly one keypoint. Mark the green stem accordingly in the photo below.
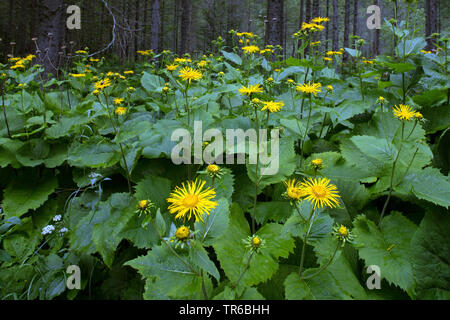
(256, 172)
(245, 270)
(326, 265)
(409, 166)
(392, 177)
(305, 240)
(4, 111)
(306, 130)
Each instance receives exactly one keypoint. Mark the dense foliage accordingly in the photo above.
(86, 174)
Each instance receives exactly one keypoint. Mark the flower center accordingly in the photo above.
(343, 231)
(319, 191)
(190, 201)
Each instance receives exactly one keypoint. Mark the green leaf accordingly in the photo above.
(233, 57)
(172, 277)
(160, 224)
(430, 257)
(114, 214)
(321, 287)
(233, 255)
(154, 188)
(151, 82)
(215, 224)
(395, 234)
(199, 257)
(285, 161)
(94, 153)
(27, 192)
(427, 184)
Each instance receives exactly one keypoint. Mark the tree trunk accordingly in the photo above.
(49, 33)
(275, 22)
(355, 17)
(376, 39)
(156, 25)
(430, 21)
(136, 28)
(315, 9)
(335, 25)
(346, 26)
(186, 24)
(308, 11)
(327, 30)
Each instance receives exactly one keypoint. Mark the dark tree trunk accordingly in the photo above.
(430, 21)
(176, 19)
(308, 11)
(49, 33)
(315, 9)
(136, 28)
(144, 29)
(335, 25)
(161, 27)
(301, 19)
(355, 17)
(327, 30)
(275, 19)
(315, 14)
(346, 26)
(156, 25)
(376, 39)
(186, 24)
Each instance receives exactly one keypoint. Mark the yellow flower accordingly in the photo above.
(128, 72)
(145, 52)
(320, 20)
(293, 189)
(165, 89)
(81, 52)
(180, 60)
(118, 100)
(78, 75)
(131, 89)
(14, 59)
(272, 106)
(317, 162)
(425, 51)
(202, 64)
(332, 53)
(290, 81)
(251, 89)
(190, 74)
(256, 241)
(29, 57)
(221, 73)
(309, 87)
(270, 79)
(120, 111)
(250, 49)
(315, 43)
(245, 34)
(330, 87)
(320, 192)
(94, 60)
(327, 59)
(172, 67)
(102, 84)
(182, 233)
(418, 115)
(404, 112)
(143, 204)
(192, 200)
(213, 168)
(381, 99)
(256, 100)
(343, 231)
(312, 26)
(96, 92)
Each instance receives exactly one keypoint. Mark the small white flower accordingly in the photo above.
(57, 217)
(48, 229)
(63, 230)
